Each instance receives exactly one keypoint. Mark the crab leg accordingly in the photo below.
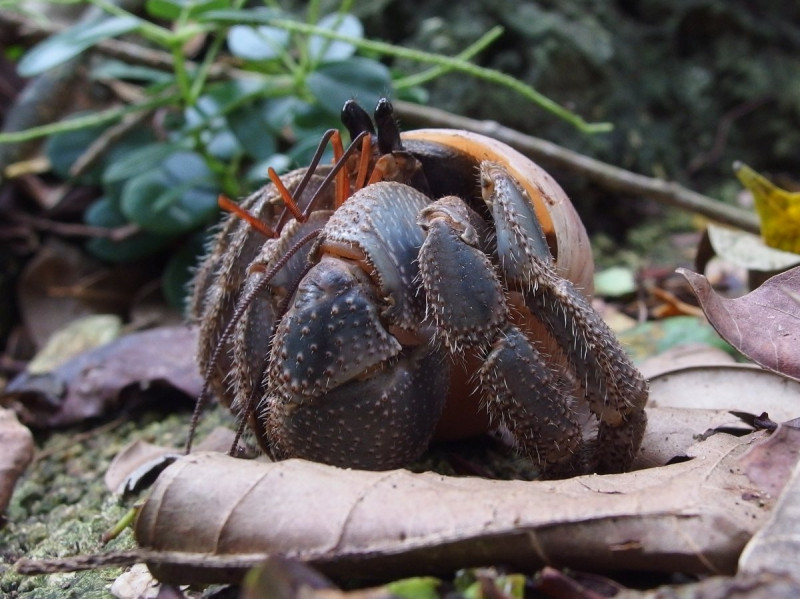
(614, 388)
(467, 304)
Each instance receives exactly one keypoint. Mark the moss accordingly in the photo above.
(62, 507)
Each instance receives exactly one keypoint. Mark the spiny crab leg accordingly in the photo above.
(467, 303)
(615, 389)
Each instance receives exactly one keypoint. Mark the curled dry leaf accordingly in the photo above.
(96, 382)
(728, 387)
(776, 547)
(694, 516)
(16, 442)
(764, 324)
(138, 464)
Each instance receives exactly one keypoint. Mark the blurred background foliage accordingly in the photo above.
(235, 87)
(690, 85)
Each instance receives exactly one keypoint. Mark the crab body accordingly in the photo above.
(465, 278)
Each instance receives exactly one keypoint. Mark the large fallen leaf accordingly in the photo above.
(694, 516)
(728, 387)
(98, 381)
(764, 324)
(16, 442)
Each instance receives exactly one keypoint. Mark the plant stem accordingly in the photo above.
(90, 120)
(453, 64)
(181, 75)
(474, 48)
(160, 35)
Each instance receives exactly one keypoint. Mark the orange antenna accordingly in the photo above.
(288, 200)
(342, 184)
(363, 164)
(257, 224)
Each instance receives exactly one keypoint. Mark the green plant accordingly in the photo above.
(265, 86)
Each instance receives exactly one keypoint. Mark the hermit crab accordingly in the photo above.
(424, 281)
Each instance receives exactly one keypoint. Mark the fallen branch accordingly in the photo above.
(611, 177)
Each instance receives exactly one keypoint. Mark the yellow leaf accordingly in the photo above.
(778, 209)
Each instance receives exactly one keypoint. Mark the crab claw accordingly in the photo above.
(343, 390)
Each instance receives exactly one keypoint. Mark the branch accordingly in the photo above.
(606, 175)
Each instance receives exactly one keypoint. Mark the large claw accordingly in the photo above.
(381, 422)
(343, 390)
(615, 389)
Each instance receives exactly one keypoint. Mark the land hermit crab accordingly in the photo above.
(422, 269)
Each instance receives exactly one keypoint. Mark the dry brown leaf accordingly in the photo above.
(61, 283)
(141, 460)
(682, 356)
(98, 381)
(672, 431)
(693, 516)
(776, 547)
(16, 442)
(739, 387)
(764, 324)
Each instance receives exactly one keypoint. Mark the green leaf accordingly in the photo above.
(281, 112)
(69, 43)
(105, 213)
(224, 145)
(115, 69)
(180, 268)
(257, 43)
(138, 161)
(249, 125)
(321, 49)
(221, 98)
(616, 281)
(63, 149)
(423, 587)
(257, 174)
(334, 83)
(177, 197)
(171, 10)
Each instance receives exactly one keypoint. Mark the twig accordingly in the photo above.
(609, 176)
(108, 138)
(76, 229)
